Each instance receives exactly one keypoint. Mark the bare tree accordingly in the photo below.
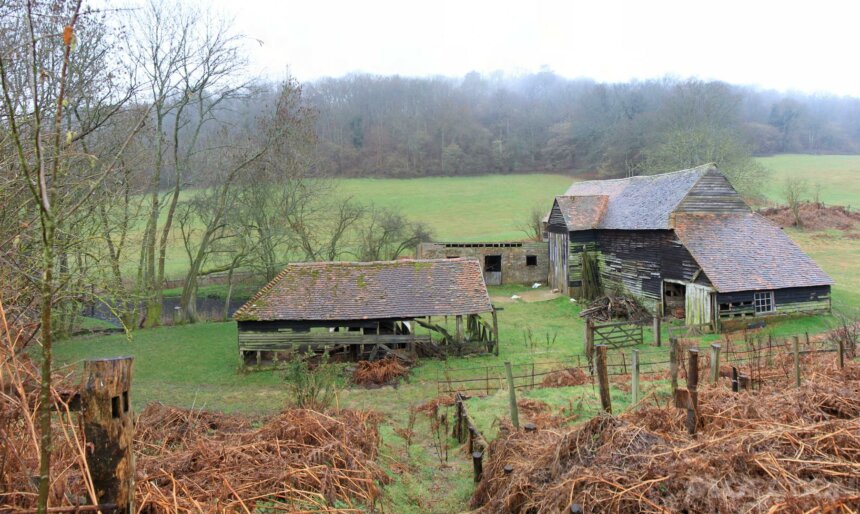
(532, 226)
(191, 62)
(39, 75)
(795, 190)
(387, 234)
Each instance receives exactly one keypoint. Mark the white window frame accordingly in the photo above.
(761, 299)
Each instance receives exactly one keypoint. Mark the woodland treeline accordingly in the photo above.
(407, 127)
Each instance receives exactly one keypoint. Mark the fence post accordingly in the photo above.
(459, 325)
(796, 348)
(655, 327)
(692, 387)
(109, 430)
(478, 465)
(715, 362)
(496, 330)
(603, 377)
(635, 376)
(735, 385)
(589, 341)
(840, 347)
(512, 392)
(673, 363)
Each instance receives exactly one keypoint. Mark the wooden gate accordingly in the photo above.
(616, 335)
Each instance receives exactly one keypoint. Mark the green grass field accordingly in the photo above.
(838, 176)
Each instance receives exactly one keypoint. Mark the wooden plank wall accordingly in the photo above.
(713, 193)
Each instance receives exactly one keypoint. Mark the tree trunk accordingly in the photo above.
(45, 399)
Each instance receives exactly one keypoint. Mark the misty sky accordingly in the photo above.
(800, 45)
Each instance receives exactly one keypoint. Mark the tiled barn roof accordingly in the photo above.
(370, 290)
(641, 203)
(743, 252)
(582, 212)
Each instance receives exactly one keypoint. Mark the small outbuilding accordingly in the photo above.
(509, 262)
(361, 310)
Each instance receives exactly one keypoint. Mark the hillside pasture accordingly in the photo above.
(837, 175)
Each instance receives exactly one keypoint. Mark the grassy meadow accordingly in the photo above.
(197, 365)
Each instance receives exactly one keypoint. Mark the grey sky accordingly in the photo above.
(807, 46)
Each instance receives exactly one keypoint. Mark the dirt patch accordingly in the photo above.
(532, 295)
(814, 217)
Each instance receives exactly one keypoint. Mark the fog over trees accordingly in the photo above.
(409, 127)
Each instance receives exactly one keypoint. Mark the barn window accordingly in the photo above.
(531, 260)
(763, 302)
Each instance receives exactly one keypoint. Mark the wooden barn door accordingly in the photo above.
(558, 262)
(697, 305)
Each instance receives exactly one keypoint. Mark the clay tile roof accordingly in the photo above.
(370, 290)
(743, 252)
(582, 212)
(641, 203)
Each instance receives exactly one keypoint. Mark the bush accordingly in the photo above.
(312, 386)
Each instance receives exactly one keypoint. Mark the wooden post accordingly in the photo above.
(496, 331)
(673, 363)
(796, 348)
(715, 362)
(635, 376)
(478, 466)
(533, 375)
(488, 380)
(735, 385)
(692, 387)
(512, 392)
(589, 341)
(655, 327)
(603, 377)
(840, 348)
(109, 430)
(459, 336)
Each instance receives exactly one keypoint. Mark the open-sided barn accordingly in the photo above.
(685, 243)
(357, 309)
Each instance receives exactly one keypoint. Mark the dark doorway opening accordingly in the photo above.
(492, 263)
(531, 260)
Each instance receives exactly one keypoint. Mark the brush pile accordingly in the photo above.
(566, 377)
(192, 461)
(814, 216)
(615, 308)
(779, 449)
(381, 372)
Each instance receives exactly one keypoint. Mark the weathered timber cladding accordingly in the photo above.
(786, 301)
(638, 260)
(558, 257)
(515, 268)
(713, 193)
(556, 223)
(579, 242)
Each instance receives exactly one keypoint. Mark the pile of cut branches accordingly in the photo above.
(381, 372)
(615, 308)
(776, 450)
(566, 377)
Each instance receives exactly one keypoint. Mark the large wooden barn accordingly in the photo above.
(360, 310)
(685, 243)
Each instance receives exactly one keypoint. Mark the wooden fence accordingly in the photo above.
(489, 379)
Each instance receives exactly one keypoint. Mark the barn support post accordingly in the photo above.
(603, 377)
(512, 394)
(634, 376)
(796, 349)
(459, 336)
(715, 362)
(673, 363)
(655, 327)
(109, 430)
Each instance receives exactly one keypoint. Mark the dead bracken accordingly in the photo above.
(779, 449)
